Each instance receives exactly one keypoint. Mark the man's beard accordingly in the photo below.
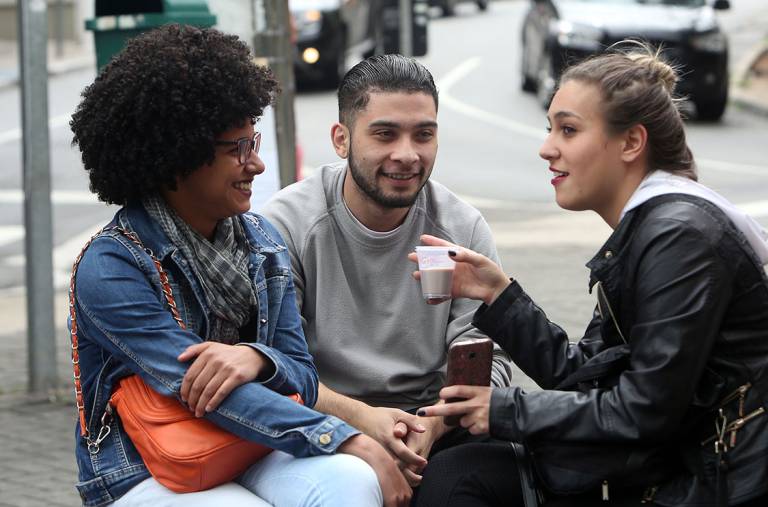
(374, 193)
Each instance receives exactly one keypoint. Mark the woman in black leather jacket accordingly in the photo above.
(664, 399)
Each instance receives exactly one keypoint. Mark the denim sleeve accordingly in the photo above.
(120, 309)
(295, 371)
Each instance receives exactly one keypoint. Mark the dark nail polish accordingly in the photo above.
(452, 253)
(421, 413)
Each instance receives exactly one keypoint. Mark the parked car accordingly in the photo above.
(327, 31)
(449, 6)
(557, 33)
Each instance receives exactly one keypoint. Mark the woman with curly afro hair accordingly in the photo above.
(167, 132)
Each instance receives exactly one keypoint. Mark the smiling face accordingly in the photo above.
(220, 189)
(391, 149)
(587, 163)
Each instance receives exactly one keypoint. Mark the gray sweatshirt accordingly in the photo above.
(372, 335)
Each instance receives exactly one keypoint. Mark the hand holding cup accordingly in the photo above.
(474, 275)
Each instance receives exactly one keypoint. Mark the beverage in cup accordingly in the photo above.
(436, 269)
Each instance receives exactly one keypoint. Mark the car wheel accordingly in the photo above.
(449, 7)
(527, 83)
(711, 109)
(336, 68)
(482, 5)
(545, 82)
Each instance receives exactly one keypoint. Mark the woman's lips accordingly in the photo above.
(559, 176)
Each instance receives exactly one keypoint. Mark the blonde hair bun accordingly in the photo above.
(660, 70)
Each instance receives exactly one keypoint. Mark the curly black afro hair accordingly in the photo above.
(154, 111)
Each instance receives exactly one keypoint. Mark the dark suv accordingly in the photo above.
(557, 33)
(328, 30)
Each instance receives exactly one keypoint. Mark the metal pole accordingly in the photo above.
(406, 28)
(59, 28)
(38, 242)
(276, 43)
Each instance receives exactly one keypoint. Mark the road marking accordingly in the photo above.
(54, 122)
(467, 66)
(57, 197)
(730, 167)
(457, 74)
(63, 255)
(10, 234)
(756, 209)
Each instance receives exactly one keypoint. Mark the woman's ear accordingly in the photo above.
(635, 142)
(340, 139)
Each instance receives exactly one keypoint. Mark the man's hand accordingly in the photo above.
(394, 488)
(389, 426)
(474, 408)
(217, 370)
(421, 444)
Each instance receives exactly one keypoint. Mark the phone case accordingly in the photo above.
(469, 363)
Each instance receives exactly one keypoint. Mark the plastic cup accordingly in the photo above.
(436, 268)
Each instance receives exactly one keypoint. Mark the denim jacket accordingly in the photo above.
(125, 327)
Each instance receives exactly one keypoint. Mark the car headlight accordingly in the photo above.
(577, 36)
(714, 42)
(308, 23)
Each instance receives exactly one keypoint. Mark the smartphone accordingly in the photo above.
(469, 364)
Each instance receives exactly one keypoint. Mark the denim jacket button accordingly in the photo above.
(608, 254)
(325, 439)
(263, 321)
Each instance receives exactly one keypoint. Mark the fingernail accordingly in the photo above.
(419, 426)
(421, 412)
(451, 253)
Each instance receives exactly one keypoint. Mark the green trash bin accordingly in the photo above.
(116, 21)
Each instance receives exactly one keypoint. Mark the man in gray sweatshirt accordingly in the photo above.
(380, 350)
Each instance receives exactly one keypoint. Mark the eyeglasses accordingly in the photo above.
(245, 145)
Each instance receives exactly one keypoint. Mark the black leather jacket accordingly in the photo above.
(691, 300)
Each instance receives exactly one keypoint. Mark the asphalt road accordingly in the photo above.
(490, 132)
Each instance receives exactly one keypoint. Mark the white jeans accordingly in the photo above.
(278, 480)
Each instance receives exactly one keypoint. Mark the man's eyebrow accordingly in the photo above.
(395, 125)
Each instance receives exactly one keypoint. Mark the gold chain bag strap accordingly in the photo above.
(182, 452)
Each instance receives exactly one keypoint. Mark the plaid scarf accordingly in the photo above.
(221, 267)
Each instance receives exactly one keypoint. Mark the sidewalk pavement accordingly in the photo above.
(37, 465)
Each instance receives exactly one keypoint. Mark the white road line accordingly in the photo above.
(10, 234)
(57, 197)
(54, 122)
(730, 167)
(63, 255)
(457, 74)
(467, 66)
(756, 209)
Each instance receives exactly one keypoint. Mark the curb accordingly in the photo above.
(750, 91)
(748, 102)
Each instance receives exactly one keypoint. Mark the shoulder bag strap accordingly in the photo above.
(93, 443)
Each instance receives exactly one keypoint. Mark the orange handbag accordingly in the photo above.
(182, 452)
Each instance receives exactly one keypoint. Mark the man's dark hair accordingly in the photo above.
(382, 73)
(154, 112)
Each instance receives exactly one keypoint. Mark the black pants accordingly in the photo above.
(475, 475)
(456, 437)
